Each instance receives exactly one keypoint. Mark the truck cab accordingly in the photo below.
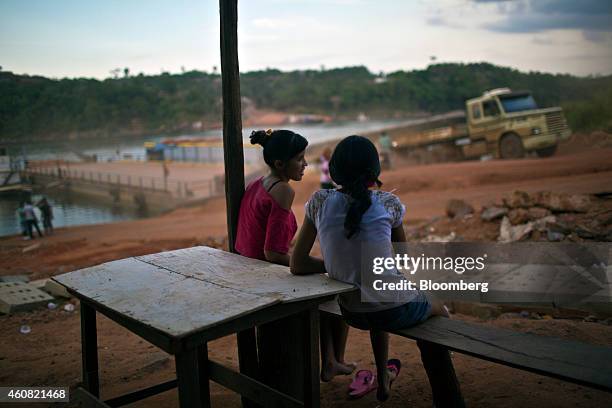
(509, 124)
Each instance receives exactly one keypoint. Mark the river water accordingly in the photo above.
(70, 210)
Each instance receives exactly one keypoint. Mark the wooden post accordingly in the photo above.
(233, 157)
(232, 119)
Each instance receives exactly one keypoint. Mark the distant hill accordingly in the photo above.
(33, 107)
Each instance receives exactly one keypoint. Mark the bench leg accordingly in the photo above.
(439, 366)
(89, 350)
(192, 378)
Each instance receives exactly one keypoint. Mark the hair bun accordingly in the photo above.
(259, 137)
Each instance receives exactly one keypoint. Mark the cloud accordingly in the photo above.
(543, 41)
(533, 23)
(442, 22)
(597, 36)
(582, 7)
(533, 16)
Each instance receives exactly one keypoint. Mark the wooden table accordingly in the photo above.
(180, 300)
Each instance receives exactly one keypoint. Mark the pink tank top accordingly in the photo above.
(263, 224)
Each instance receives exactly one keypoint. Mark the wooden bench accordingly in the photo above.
(572, 361)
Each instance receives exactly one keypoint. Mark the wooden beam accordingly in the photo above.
(248, 387)
(141, 394)
(232, 119)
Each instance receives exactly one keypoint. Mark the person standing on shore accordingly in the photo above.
(31, 219)
(46, 211)
(385, 150)
(166, 174)
(326, 181)
(22, 220)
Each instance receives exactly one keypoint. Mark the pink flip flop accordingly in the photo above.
(363, 383)
(394, 365)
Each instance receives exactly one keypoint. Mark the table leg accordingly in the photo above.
(89, 350)
(289, 356)
(311, 353)
(192, 377)
(247, 359)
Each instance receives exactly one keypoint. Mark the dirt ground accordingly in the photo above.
(50, 354)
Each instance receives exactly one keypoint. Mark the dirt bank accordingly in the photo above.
(424, 189)
(49, 355)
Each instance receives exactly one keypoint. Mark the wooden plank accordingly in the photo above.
(150, 334)
(232, 116)
(245, 274)
(331, 307)
(269, 314)
(580, 363)
(250, 388)
(168, 302)
(576, 362)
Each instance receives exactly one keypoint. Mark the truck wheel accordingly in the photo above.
(547, 151)
(511, 147)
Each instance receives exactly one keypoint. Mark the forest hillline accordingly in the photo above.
(35, 107)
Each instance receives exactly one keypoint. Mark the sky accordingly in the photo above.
(90, 38)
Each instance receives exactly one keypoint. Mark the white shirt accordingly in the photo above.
(348, 260)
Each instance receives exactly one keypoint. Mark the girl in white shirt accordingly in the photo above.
(354, 222)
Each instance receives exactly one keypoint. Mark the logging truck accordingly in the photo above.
(500, 123)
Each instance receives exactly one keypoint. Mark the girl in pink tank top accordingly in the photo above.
(266, 226)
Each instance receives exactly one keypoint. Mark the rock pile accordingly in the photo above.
(548, 216)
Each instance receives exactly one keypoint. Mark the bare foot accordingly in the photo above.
(384, 386)
(352, 366)
(330, 370)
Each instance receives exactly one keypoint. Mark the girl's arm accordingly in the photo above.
(301, 261)
(283, 194)
(398, 234)
(277, 257)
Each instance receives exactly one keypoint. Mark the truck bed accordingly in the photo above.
(436, 129)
